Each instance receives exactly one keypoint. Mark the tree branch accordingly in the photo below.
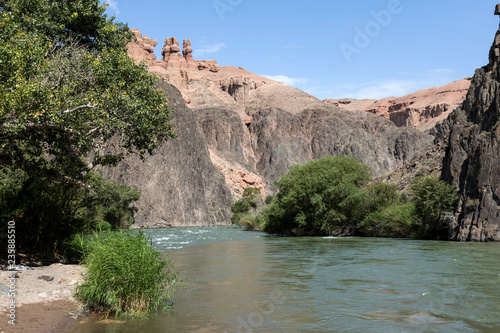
(88, 106)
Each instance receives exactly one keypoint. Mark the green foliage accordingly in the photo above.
(433, 198)
(330, 196)
(126, 275)
(250, 201)
(70, 98)
(396, 221)
(269, 199)
(111, 203)
(381, 195)
(321, 197)
(47, 213)
(249, 222)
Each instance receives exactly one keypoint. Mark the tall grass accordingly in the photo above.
(249, 222)
(125, 274)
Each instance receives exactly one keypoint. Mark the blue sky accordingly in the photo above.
(330, 49)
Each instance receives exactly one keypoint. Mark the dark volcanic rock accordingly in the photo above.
(282, 139)
(288, 127)
(179, 185)
(473, 154)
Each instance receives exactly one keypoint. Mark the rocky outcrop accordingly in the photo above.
(243, 130)
(187, 50)
(350, 104)
(284, 134)
(422, 109)
(170, 49)
(142, 48)
(179, 185)
(473, 154)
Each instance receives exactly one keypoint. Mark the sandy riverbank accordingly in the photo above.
(42, 306)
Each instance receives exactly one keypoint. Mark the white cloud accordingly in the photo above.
(291, 46)
(287, 80)
(206, 49)
(385, 88)
(113, 5)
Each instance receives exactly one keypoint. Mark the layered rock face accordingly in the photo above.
(256, 128)
(422, 109)
(473, 154)
(179, 185)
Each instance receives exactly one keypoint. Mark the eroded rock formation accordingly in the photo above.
(142, 49)
(473, 154)
(422, 109)
(253, 130)
(187, 50)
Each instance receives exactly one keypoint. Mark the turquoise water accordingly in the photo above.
(249, 282)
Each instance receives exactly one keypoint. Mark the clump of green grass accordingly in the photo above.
(126, 275)
(249, 222)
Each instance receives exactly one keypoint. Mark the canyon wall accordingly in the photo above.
(179, 184)
(238, 129)
(473, 153)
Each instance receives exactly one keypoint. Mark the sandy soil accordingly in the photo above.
(42, 306)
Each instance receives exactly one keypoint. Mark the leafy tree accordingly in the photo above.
(433, 198)
(381, 195)
(70, 98)
(48, 213)
(70, 101)
(321, 197)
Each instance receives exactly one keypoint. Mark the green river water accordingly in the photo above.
(250, 282)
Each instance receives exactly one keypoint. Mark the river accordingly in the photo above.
(251, 282)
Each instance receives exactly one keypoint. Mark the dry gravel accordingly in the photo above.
(30, 289)
(42, 306)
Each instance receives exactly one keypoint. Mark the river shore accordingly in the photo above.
(42, 304)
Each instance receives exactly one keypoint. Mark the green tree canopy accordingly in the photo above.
(70, 98)
(321, 197)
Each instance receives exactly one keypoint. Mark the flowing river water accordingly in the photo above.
(251, 282)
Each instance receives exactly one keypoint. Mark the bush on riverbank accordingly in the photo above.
(332, 196)
(433, 200)
(321, 197)
(246, 209)
(126, 275)
(394, 221)
(48, 213)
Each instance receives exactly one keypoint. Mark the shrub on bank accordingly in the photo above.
(249, 222)
(48, 213)
(433, 199)
(333, 196)
(126, 275)
(321, 197)
(246, 209)
(394, 221)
